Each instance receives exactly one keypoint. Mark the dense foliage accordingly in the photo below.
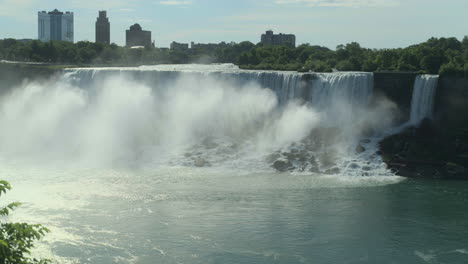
(90, 53)
(17, 239)
(444, 56)
(437, 55)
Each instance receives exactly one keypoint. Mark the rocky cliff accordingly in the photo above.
(438, 148)
(13, 74)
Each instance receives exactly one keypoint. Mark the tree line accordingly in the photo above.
(90, 53)
(435, 56)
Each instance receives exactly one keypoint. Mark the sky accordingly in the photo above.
(372, 23)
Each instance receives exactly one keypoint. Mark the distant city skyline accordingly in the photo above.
(372, 23)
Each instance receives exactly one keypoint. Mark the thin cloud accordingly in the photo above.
(127, 10)
(175, 3)
(18, 9)
(339, 3)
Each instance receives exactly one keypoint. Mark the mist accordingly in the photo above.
(123, 120)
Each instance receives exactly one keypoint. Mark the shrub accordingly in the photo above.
(17, 239)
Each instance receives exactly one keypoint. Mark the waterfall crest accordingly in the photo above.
(319, 89)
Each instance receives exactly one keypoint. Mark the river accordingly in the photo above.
(174, 164)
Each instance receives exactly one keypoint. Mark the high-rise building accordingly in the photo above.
(103, 28)
(136, 36)
(55, 25)
(278, 39)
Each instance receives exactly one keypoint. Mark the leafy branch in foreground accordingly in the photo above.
(17, 239)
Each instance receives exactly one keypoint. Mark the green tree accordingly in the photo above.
(451, 68)
(345, 65)
(432, 62)
(318, 66)
(17, 239)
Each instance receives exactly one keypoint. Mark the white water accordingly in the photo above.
(173, 115)
(422, 102)
(96, 146)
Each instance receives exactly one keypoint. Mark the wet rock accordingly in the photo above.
(200, 162)
(327, 160)
(366, 141)
(273, 157)
(234, 146)
(302, 158)
(331, 171)
(314, 169)
(360, 149)
(454, 169)
(209, 144)
(282, 165)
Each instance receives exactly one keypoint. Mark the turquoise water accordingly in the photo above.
(183, 215)
(146, 131)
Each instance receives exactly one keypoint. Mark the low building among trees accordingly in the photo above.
(271, 39)
(179, 46)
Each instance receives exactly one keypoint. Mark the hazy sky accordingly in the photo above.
(373, 23)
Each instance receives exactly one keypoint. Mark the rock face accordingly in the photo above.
(312, 154)
(200, 162)
(360, 149)
(398, 88)
(438, 148)
(427, 152)
(282, 165)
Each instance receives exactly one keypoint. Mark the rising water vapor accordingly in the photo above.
(123, 121)
(191, 116)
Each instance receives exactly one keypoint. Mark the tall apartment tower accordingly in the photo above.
(55, 25)
(103, 28)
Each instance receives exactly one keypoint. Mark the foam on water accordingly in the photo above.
(125, 134)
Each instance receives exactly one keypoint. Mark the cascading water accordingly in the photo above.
(422, 102)
(211, 116)
(111, 155)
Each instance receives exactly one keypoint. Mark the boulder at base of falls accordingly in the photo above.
(366, 141)
(282, 165)
(200, 162)
(332, 171)
(428, 151)
(360, 149)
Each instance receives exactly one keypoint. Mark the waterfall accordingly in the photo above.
(319, 89)
(190, 115)
(350, 87)
(422, 102)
